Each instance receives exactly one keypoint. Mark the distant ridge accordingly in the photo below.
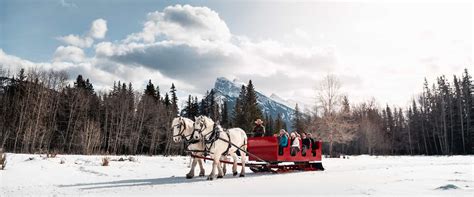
(227, 90)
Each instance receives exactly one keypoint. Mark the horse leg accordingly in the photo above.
(243, 160)
(215, 162)
(191, 172)
(202, 171)
(220, 173)
(234, 166)
(224, 168)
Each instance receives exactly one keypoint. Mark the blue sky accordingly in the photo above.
(377, 49)
(29, 27)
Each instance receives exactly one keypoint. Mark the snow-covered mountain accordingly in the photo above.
(227, 90)
(290, 103)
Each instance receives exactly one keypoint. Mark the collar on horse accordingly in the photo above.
(214, 136)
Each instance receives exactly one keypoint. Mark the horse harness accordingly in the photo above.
(214, 136)
(182, 127)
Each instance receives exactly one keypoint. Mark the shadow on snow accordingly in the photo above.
(149, 182)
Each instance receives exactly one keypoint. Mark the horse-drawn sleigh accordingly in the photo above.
(207, 140)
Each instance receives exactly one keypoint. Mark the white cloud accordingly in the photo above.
(194, 44)
(98, 29)
(78, 41)
(184, 24)
(69, 54)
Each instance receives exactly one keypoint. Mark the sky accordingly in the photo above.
(377, 49)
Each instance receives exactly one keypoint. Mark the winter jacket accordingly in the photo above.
(307, 142)
(295, 143)
(283, 141)
(259, 130)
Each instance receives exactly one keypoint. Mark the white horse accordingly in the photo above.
(183, 129)
(218, 142)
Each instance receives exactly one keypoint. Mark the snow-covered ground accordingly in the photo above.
(162, 176)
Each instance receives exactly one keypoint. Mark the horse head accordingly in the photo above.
(181, 128)
(203, 126)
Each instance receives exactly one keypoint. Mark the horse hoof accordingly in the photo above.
(210, 178)
(242, 175)
(201, 175)
(235, 173)
(189, 176)
(220, 176)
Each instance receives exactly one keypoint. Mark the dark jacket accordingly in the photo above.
(306, 142)
(259, 130)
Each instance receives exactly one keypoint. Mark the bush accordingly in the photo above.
(105, 161)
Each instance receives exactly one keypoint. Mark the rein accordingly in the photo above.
(214, 136)
(187, 138)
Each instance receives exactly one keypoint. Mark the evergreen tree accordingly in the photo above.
(89, 87)
(279, 123)
(390, 129)
(158, 95)
(269, 125)
(166, 100)
(188, 109)
(239, 116)
(174, 100)
(150, 89)
(459, 132)
(80, 83)
(225, 116)
(213, 107)
(468, 108)
(251, 108)
(297, 121)
(195, 108)
(22, 76)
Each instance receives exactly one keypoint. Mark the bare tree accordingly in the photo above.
(336, 124)
(329, 95)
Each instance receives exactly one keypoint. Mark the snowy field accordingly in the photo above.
(33, 175)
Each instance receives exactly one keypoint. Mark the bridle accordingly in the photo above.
(210, 138)
(213, 133)
(182, 127)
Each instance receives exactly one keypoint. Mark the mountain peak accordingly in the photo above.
(278, 98)
(223, 79)
(226, 87)
(228, 91)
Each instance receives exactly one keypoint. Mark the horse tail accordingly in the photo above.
(244, 136)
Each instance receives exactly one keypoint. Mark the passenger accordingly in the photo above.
(282, 141)
(306, 143)
(314, 144)
(295, 143)
(259, 129)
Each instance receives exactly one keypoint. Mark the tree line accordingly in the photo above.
(40, 112)
(440, 121)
